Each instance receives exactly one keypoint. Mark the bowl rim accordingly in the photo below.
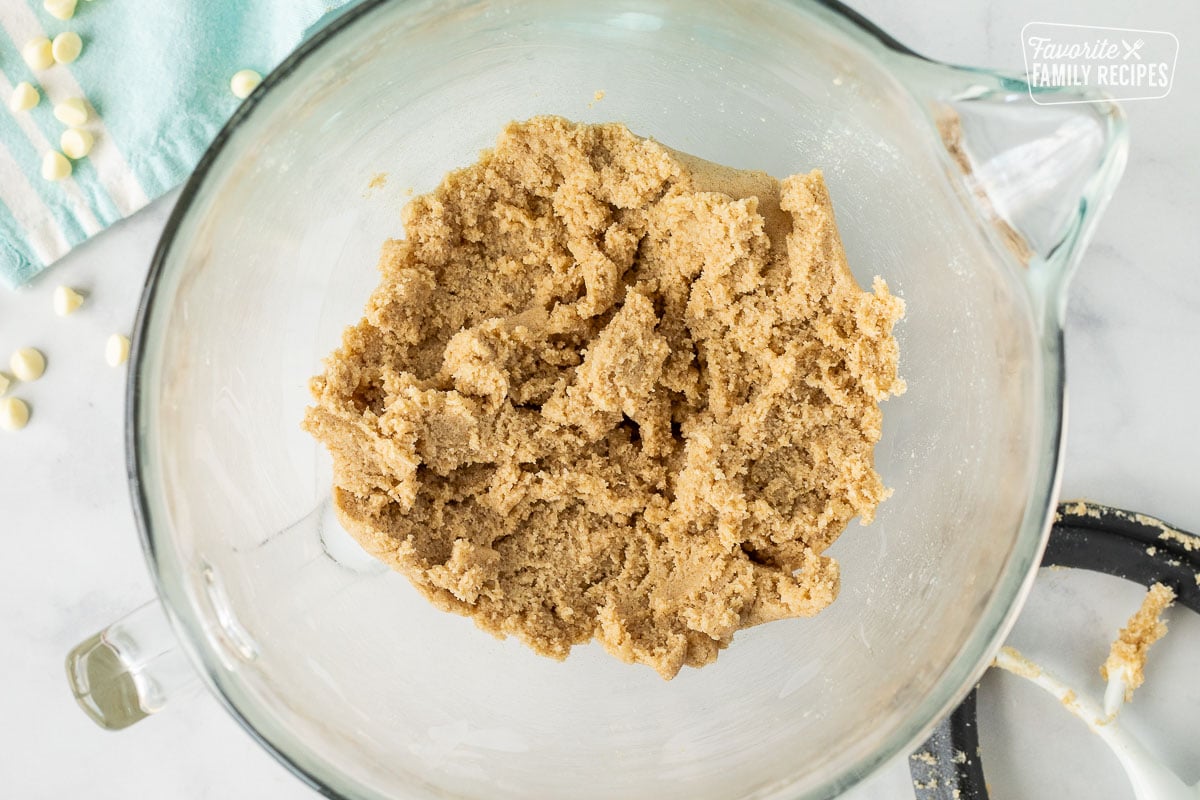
(958, 677)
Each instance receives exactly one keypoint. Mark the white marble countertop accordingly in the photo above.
(74, 563)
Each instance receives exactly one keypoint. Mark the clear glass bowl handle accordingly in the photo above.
(129, 670)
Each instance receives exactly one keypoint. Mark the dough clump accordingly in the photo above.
(607, 390)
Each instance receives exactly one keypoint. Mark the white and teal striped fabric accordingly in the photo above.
(156, 73)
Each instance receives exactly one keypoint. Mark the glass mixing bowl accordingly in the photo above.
(958, 186)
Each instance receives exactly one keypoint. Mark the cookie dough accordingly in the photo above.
(1125, 667)
(607, 390)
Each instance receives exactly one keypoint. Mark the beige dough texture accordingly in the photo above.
(1127, 656)
(607, 390)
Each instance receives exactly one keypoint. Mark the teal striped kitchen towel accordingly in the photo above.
(156, 74)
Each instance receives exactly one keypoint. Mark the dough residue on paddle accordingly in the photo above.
(608, 390)
(1127, 656)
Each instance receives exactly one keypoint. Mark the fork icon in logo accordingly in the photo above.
(1132, 49)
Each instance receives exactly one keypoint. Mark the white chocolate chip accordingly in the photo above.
(38, 53)
(24, 97)
(71, 112)
(66, 300)
(244, 82)
(4, 383)
(13, 413)
(116, 350)
(62, 9)
(27, 364)
(76, 142)
(55, 166)
(66, 47)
